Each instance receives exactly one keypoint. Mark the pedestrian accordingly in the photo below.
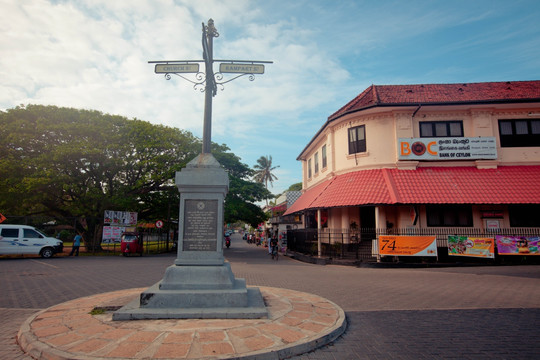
(76, 244)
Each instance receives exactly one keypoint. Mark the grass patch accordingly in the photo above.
(97, 311)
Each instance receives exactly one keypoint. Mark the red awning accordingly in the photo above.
(430, 185)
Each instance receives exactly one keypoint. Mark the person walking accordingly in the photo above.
(76, 244)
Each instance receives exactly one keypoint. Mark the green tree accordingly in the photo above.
(74, 164)
(243, 193)
(263, 171)
(70, 163)
(295, 187)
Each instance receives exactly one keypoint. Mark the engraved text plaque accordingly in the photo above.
(200, 225)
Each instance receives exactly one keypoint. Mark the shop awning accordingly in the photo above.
(429, 185)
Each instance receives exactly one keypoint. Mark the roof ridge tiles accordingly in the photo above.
(440, 94)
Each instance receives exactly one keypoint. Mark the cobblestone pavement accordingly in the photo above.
(490, 312)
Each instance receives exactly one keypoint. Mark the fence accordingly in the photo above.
(154, 240)
(359, 244)
(153, 243)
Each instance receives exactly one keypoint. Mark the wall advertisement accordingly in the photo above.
(517, 245)
(112, 234)
(454, 148)
(407, 245)
(471, 246)
(114, 224)
(120, 218)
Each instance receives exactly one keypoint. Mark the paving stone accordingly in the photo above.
(499, 305)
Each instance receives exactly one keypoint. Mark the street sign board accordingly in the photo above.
(159, 224)
(176, 68)
(241, 68)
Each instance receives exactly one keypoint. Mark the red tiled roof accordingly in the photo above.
(430, 185)
(307, 198)
(425, 94)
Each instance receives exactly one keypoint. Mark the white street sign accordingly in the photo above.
(176, 68)
(241, 68)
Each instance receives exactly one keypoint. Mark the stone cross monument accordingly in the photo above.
(200, 283)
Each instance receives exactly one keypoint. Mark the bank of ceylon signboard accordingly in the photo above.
(455, 148)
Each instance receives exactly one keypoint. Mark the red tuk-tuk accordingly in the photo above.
(131, 243)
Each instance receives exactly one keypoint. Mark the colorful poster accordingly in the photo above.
(471, 246)
(517, 245)
(120, 218)
(112, 234)
(408, 245)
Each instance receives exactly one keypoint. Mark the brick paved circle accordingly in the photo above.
(297, 323)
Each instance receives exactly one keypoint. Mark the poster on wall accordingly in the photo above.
(120, 218)
(407, 245)
(517, 245)
(471, 246)
(112, 234)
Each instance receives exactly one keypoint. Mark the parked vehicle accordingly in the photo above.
(131, 243)
(24, 239)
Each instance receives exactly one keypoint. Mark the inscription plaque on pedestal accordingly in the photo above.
(200, 225)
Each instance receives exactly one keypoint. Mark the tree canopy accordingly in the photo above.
(295, 187)
(70, 163)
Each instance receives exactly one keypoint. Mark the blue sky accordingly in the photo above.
(94, 55)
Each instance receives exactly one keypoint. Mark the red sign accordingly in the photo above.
(2, 218)
(159, 224)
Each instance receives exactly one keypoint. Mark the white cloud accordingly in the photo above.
(94, 54)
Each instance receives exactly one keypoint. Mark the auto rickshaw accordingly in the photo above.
(131, 243)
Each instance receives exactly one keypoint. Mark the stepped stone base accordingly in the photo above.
(196, 292)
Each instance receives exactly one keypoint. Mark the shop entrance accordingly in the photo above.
(367, 224)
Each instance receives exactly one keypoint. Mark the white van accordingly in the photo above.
(24, 239)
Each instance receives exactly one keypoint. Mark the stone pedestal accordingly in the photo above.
(200, 284)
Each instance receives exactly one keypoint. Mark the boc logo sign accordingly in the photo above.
(460, 148)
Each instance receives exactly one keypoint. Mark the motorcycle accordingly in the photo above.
(227, 242)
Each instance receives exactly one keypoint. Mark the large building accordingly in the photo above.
(426, 156)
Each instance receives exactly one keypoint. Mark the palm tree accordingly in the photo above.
(263, 171)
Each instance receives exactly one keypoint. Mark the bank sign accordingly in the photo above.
(458, 148)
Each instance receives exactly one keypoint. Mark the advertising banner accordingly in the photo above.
(456, 148)
(408, 245)
(471, 246)
(120, 218)
(112, 234)
(517, 245)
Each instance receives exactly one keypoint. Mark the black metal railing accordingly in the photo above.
(358, 243)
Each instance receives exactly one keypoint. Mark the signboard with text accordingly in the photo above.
(407, 245)
(241, 68)
(120, 218)
(455, 148)
(200, 225)
(176, 68)
(471, 246)
(112, 234)
(517, 245)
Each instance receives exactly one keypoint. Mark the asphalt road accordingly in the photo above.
(427, 313)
